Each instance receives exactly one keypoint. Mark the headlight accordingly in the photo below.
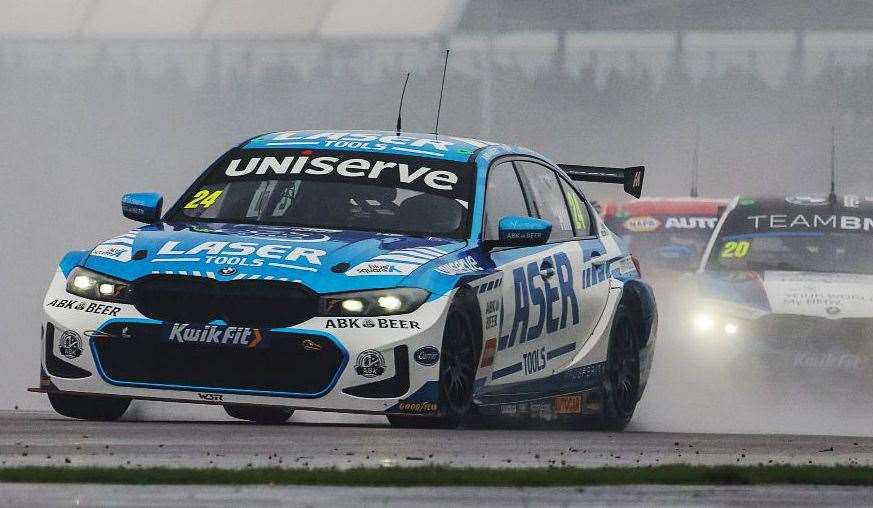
(379, 302)
(706, 323)
(96, 286)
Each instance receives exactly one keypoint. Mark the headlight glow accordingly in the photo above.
(704, 322)
(379, 302)
(353, 305)
(96, 286)
(731, 329)
(390, 303)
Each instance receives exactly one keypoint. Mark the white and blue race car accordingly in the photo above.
(424, 278)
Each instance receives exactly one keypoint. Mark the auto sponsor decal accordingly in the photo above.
(238, 336)
(84, 306)
(813, 222)
(568, 405)
(643, 224)
(534, 361)
(378, 268)
(214, 397)
(70, 344)
(247, 254)
(492, 310)
(382, 323)
(397, 262)
(444, 178)
(370, 363)
(427, 355)
(467, 264)
(119, 248)
(690, 222)
(531, 290)
(418, 407)
(488, 352)
(442, 147)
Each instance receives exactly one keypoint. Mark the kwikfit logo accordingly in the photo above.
(214, 334)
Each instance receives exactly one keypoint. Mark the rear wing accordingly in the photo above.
(631, 178)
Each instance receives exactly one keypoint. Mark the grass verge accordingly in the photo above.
(448, 476)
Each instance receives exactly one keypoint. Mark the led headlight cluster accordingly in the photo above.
(96, 286)
(380, 302)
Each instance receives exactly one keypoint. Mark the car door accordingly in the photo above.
(593, 283)
(516, 339)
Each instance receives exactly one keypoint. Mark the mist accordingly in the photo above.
(111, 107)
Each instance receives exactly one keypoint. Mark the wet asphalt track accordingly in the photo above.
(35, 495)
(28, 438)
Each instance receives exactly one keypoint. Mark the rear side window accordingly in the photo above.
(578, 211)
(548, 198)
(503, 197)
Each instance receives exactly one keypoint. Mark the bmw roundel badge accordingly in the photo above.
(227, 270)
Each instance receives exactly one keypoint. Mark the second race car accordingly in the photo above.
(788, 280)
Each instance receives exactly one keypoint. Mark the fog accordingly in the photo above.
(87, 117)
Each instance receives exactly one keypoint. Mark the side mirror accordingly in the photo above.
(517, 231)
(142, 206)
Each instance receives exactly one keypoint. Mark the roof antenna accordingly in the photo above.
(695, 161)
(832, 197)
(400, 109)
(436, 129)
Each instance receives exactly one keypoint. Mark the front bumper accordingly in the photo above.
(359, 365)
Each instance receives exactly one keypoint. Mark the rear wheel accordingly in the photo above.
(259, 414)
(457, 371)
(621, 386)
(88, 407)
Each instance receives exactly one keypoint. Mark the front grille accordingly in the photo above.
(256, 303)
(282, 364)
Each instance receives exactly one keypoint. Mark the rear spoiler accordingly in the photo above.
(631, 178)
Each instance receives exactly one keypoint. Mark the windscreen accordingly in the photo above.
(809, 240)
(336, 190)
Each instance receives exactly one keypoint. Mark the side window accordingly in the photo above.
(578, 211)
(503, 196)
(548, 199)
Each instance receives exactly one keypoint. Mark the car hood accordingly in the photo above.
(325, 260)
(828, 295)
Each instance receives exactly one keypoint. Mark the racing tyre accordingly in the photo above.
(621, 386)
(457, 371)
(86, 407)
(259, 414)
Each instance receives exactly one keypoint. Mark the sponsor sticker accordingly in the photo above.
(384, 323)
(461, 266)
(216, 397)
(644, 224)
(70, 344)
(568, 405)
(82, 306)
(488, 352)
(218, 335)
(426, 355)
(370, 363)
(405, 406)
(376, 268)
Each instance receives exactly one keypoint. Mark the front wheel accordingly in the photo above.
(259, 414)
(457, 371)
(621, 386)
(88, 407)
